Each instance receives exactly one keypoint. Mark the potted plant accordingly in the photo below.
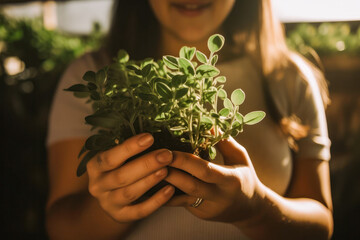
(175, 99)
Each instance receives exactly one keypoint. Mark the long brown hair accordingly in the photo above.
(250, 29)
(133, 28)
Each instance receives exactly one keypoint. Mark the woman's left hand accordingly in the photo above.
(230, 192)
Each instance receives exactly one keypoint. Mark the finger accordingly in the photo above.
(191, 185)
(181, 201)
(136, 169)
(232, 152)
(115, 157)
(203, 170)
(144, 209)
(127, 195)
(188, 202)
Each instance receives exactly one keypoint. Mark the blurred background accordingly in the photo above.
(38, 39)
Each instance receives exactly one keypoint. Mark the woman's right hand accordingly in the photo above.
(117, 185)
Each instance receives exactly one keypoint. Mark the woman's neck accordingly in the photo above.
(170, 44)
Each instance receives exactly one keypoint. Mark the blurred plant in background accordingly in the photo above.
(32, 59)
(42, 51)
(326, 38)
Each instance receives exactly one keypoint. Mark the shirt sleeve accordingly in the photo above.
(300, 96)
(67, 113)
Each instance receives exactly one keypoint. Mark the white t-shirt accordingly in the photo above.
(266, 144)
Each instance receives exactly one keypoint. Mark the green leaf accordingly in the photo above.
(163, 90)
(177, 80)
(187, 52)
(95, 96)
(91, 86)
(156, 80)
(147, 61)
(78, 88)
(146, 70)
(135, 80)
(239, 117)
(186, 66)
(132, 67)
(89, 76)
(102, 120)
(214, 59)
(99, 142)
(254, 117)
(201, 57)
(206, 120)
(82, 166)
(160, 117)
(222, 94)
(238, 97)
(147, 96)
(216, 42)
(220, 79)
(178, 128)
(207, 71)
(224, 112)
(82, 151)
(234, 132)
(236, 124)
(215, 115)
(212, 152)
(228, 104)
(209, 96)
(171, 62)
(181, 92)
(81, 94)
(100, 77)
(224, 125)
(122, 56)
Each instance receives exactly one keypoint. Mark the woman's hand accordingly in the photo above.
(117, 185)
(230, 193)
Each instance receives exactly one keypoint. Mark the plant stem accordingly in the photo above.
(191, 128)
(200, 113)
(215, 108)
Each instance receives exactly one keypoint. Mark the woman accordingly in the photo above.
(275, 185)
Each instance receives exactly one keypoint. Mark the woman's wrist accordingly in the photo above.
(260, 209)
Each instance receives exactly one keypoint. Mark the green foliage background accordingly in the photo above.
(25, 100)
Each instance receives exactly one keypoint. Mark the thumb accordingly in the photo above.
(233, 152)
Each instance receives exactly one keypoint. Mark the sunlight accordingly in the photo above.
(317, 11)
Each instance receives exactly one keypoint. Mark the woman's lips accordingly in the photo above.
(191, 9)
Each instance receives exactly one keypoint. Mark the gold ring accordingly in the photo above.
(197, 202)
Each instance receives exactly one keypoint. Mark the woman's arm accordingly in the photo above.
(305, 212)
(71, 212)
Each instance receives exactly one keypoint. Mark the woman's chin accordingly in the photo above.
(193, 36)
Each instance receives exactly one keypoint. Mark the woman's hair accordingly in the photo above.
(135, 29)
(250, 29)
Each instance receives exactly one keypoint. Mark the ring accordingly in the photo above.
(197, 202)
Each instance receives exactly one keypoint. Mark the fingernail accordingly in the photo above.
(145, 140)
(168, 190)
(164, 156)
(160, 172)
